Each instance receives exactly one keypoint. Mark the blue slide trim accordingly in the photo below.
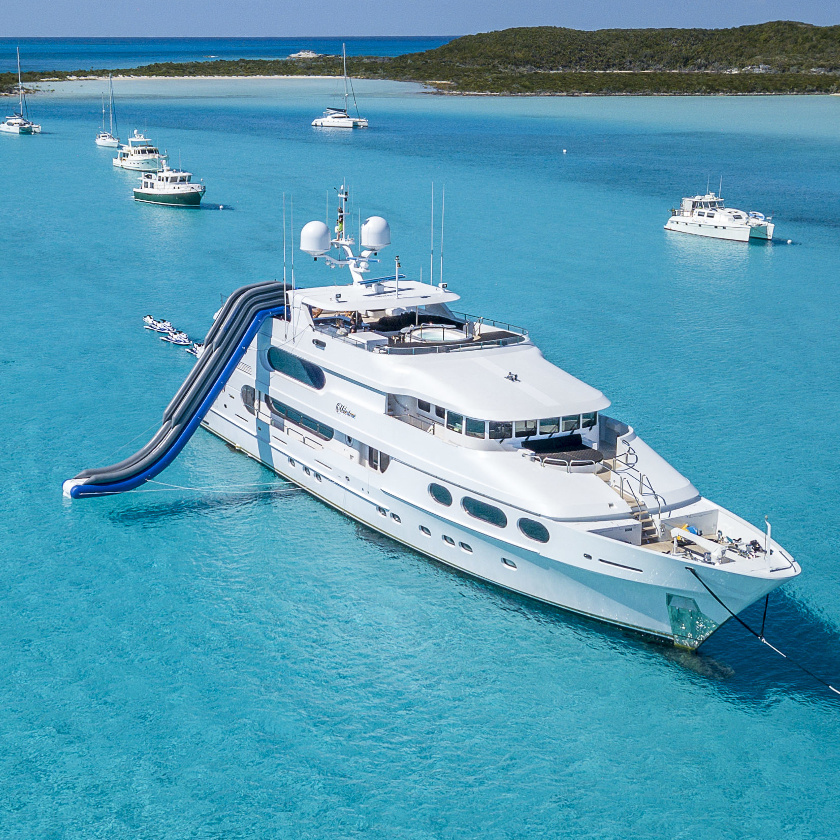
(169, 456)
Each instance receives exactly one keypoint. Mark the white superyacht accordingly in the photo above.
(706, 215)
(452, 434)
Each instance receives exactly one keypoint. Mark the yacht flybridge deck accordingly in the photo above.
(453, 434)
(705, 215)
(19, 122)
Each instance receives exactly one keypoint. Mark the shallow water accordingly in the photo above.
(238, 660)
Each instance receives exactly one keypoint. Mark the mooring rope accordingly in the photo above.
(760, 636)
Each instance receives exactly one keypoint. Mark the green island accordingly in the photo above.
(782, 57)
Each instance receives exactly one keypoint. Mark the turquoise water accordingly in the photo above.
(113, 53)
(239, 661)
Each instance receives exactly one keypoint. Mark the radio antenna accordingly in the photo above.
(442, 215)
(432, 233)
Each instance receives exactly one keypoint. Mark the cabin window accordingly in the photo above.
(701, 212)
(248, 395)
(533, 530)
(475, 428)
(440, 494)
(571, 423)
(589, 420)
(396, 518)
(486, 513)
(424, 406)
(526, 428)
(500, 431)
(550, 426)
(319, 429)
(448, 540)
(440, 412)
(384, 461)
(373, 458)
(425, 530)
(296, 368)
(455, 422)
(466, 547)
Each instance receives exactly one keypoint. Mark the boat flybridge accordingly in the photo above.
(19, 122)
(452, 434)
(140, 154)
(340, 117)
(106, 137)
(705, 215)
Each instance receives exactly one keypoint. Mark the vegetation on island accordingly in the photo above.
(778, 57)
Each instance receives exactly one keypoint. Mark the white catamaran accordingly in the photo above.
(108, 138)
(19, 122)
(340, 117)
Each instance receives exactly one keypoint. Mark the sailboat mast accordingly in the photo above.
(111, 103)
(20, 83)
(344, 61)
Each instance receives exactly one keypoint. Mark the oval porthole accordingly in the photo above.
(440, 494)
(509, 563)
(381, 511)
(448, 540)
(395, 517)
(465, 547)
(486, 513)
(425, 530)
(534, 530)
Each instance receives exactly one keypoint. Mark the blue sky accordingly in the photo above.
(278, 18)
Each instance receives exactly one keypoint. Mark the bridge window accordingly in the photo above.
(486, 513)
(500, 431)
(571, 423)
(296, 368)
(550, 426)
(455, 422)
(424, 406)
(475, 428)
(533, 530)
(440, 494)
(319, 429)
(589, 420)
(526, 428)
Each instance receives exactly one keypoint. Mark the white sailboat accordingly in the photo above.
(339, 117)
(19, 122)
(108, 138)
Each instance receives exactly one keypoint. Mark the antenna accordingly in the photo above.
(285, 293)
(720, 188)
(708, 177)
(432, 233)
(442, 213)
(397, 274)
(327, 217)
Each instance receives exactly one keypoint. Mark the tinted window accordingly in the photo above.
(533, 530)
(373, 458)
(526, 428)
(384, 461)
(571, 422)
(321, 430)
(296, 368)
(248, 395)
(550, 426)
(440, 412)
(484, 512)
(454, 421)
(440, 494)
(423, 405)
(589, 419)
(475, 428)
(500, 431)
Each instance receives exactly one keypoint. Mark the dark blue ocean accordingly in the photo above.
(217, 656)
(113, 53)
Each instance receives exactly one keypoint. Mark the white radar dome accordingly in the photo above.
(315, 239)
(376, 233)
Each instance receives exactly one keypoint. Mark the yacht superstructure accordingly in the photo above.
(452, 434)
(706, 215)
(140, 154)
(19, 122)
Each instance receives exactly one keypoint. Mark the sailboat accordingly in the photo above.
(339, 117)
(19, 122)
(108, 138)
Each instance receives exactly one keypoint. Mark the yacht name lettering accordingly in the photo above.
(342, 409)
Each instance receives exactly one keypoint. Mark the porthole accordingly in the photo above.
(306, 470)
(425, 530)
(588, 556)
(317, 477)
(318, 343)
(509, 563)
(534, 530)
(465, 547)
(291, 462)
(396, 518)
(440, 494)
(381, 511)
(486, 513)
(448, 540)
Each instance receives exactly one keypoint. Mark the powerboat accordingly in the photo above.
(172, 187)
(452, 434)
(155, 325)
(177, 337)
(107, 138)
(340, 117)
(706, 215)
(19, 122)
(140, 154)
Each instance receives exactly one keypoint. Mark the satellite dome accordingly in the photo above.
(315, 239)
(376, 233)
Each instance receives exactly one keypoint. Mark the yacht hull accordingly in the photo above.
(17, 129)
(587, 574)
(190, 199)
(148, 165)
(108, 143)
(733, 233)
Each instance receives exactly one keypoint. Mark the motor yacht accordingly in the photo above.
(140, 154)
(172, 187)
(706, 215)
(340, 117)
(19, 122)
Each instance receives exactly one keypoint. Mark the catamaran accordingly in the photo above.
(108, 138)
(340, 117)
(19, 122)
(452, 434)
(706, 215)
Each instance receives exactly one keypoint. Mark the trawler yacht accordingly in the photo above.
(172, 187)
(19, 122)
(140, 154)
(454, 435)
(705, 215)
